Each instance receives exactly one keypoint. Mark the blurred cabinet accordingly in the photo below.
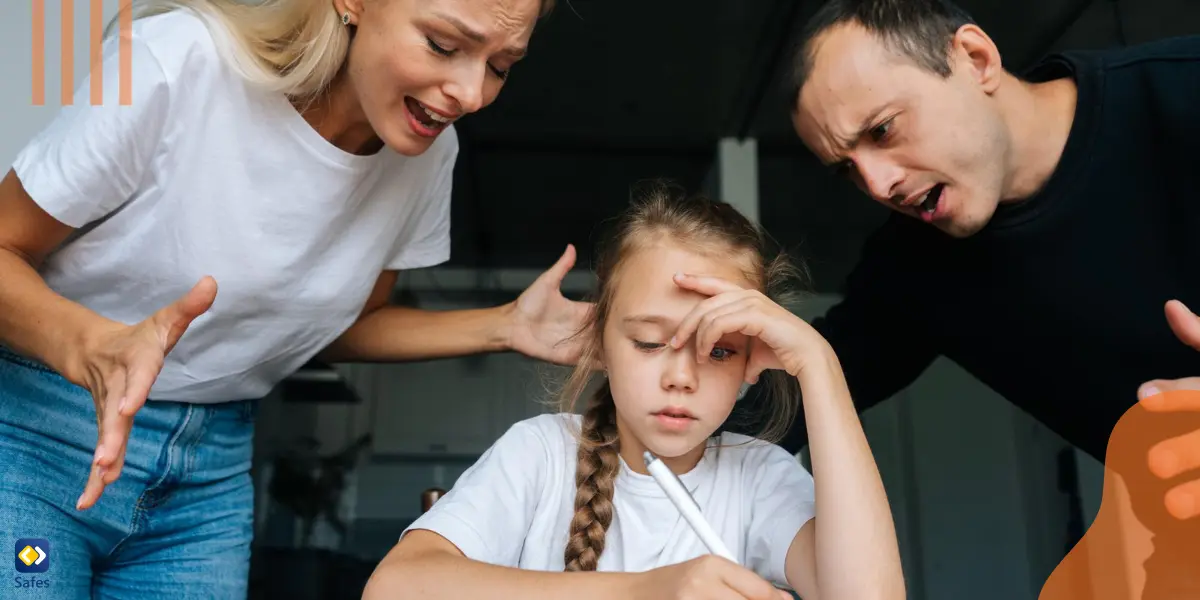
(452, 407)
(437, 407)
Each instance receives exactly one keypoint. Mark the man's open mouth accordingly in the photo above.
(930, 202)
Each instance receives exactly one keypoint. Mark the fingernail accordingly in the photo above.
(102, 472)
(1181, 505)
(98, 456)
(1164, 463)
(121, 407)
(674, 342)
(1149, 391)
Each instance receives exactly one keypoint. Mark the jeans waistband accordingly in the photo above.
(245, 409)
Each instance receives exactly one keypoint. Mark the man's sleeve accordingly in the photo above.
(876, 328)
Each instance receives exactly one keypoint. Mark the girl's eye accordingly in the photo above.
(437, 48)
(721, 353)
(646, 346)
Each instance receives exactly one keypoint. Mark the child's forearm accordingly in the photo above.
(854, 520)
(437, 575)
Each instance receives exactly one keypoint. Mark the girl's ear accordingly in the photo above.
(598, 362)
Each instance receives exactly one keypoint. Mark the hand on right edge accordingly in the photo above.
(707, 577)
(119, 365)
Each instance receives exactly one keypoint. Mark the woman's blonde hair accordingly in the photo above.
(296, 47)
(663, 213)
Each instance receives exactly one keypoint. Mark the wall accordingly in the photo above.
(19, 118)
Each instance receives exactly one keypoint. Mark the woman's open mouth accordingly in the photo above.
(425, 121)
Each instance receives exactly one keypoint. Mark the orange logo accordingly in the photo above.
(1145, 541)
(95, 41)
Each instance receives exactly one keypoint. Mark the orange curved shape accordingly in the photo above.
(1145, 541)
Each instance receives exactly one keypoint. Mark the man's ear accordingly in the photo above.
(973, 50)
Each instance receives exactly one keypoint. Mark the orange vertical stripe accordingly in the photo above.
(126, 52)
(95, 41)
(68, 52)
(39, 53)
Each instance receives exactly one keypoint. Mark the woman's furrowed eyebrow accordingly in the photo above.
(476, 36)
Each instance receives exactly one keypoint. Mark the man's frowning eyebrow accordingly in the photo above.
(477, 37)
(845, 145)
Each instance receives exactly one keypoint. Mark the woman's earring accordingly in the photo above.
(345, 18)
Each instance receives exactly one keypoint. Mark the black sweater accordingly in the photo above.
(1057, 304)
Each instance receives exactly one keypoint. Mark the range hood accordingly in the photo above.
(318, 382)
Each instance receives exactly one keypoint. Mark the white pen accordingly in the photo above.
(686, 504)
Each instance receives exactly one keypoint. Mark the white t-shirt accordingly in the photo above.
(514, 506)
(204, 175)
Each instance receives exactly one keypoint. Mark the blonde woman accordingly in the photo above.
(165, 263)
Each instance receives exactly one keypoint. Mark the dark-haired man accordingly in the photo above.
(1042, 222)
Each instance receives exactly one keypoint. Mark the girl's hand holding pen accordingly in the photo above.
(707, 577)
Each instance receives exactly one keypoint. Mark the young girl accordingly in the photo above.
(562, 506)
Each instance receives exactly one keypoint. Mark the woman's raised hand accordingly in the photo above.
(119, 365)
(544, 322)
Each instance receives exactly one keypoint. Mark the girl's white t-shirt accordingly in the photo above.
(203, 174)
(514, 506)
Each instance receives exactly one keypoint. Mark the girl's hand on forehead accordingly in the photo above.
(782, 340)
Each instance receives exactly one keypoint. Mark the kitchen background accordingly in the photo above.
(986, 500)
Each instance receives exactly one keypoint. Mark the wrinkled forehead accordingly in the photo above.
(509, 20)
(853, 75)
(645, 284)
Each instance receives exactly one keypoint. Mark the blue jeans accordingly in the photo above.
(178, 522)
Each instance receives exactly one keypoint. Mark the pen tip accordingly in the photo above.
(646, 456)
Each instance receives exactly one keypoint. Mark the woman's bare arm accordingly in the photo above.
(34, 320)
(390, 333)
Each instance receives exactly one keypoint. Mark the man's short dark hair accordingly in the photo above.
(920, 30)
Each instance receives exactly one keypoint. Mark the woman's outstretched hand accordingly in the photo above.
(784, 340)
(544, 322)
(118, 366)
